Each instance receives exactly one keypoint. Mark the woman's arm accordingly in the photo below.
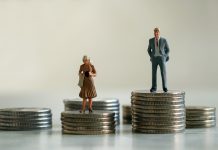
(80, 70)
(93, 73)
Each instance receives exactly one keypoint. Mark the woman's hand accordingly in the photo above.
(92, 74)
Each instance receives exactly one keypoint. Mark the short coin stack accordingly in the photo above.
(200, 117)
(105, 104)
(25, 118)
(157, 113)
(97, 122)
(127, 114)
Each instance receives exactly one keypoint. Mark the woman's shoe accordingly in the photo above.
(82, 111)
(90, 110)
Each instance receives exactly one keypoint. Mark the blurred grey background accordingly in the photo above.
(42, 43)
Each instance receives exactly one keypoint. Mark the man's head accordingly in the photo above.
(156, 33)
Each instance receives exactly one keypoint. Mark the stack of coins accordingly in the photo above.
(106, 104)
(127, 114)
(157, 113)
(200, 117)
(97, 122)
(25, 118)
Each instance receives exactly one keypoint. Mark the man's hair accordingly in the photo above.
(156, 29)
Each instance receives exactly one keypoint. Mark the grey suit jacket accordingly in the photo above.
(163, 46)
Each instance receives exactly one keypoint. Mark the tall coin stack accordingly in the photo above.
(157, 113)
(97, 122)
(200, 117)
(127, 114)
(25, 118)
(105, 104)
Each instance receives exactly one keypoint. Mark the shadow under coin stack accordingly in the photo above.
(127, 114)
(104, 104)
(200, 117)
(25, 118)
(97, 122)
(158, 113)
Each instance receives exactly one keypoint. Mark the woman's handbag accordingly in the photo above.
(81, 79)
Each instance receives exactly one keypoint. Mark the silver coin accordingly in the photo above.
(23, 124)
(88, 116)
(200, 114)
(116, 109)
(88, 119)
(158, 123)
(25, 121)
(107, 108)
(170, 115)
(169, 107)
(79, 105)
(20, 128)
(24, 110)
(158, 93)
(158, 127)
(12, 117)
(76, 114)
(135, 130)
(68, 119)
(157, 103)
(99, 100)
(201, 125)
(117, 115)
(200, 122)
(152, 111)
(199, 111)
(111, 123)
(159, 118)
(87, 128)
(200, 108)
(36, 115)
(94, 109)
(88, 132)
(199, 118)
(158, 99)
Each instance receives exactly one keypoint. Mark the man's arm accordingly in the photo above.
(149, 48)
(167, 49)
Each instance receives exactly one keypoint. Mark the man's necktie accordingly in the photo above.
(157, 42)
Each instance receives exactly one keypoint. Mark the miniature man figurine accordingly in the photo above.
(158, 51)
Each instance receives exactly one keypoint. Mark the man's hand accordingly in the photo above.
(167, 59)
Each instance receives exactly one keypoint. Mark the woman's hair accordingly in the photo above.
(85, 57)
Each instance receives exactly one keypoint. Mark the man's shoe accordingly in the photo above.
(165, 89)
(152, 90)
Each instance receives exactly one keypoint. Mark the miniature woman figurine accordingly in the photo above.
(88, 88)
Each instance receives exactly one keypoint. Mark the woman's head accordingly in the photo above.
(86, 59)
